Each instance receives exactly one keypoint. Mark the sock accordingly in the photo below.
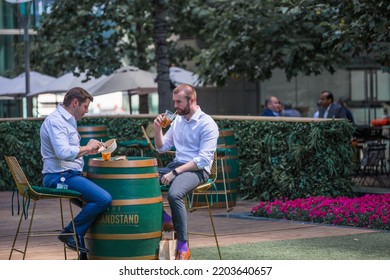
(182, 246)
(166, 217)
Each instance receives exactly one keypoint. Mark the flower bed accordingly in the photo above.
(369, 211)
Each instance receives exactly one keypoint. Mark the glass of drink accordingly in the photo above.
(168, 118)
(106, 156)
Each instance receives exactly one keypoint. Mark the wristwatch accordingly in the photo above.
(174, 172)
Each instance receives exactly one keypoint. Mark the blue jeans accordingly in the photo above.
(183, 184)
(96, 200)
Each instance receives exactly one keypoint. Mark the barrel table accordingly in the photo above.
(131, 227)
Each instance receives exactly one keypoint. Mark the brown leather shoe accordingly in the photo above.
(168, 226)
(183, 255)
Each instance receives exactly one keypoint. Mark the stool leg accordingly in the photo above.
(74, 229)
(29, 230)
(16, 236)
(212, 224)
(223, 163)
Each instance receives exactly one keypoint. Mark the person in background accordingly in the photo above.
(288, 111)
(194, 134)
(347, 111)
(329, 109)
(63, 160)
(317, 113)
(272, 107)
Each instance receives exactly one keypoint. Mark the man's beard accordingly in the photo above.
(185, 111)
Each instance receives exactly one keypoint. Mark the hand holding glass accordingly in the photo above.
(167, 118)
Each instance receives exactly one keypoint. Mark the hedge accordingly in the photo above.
(292, 158)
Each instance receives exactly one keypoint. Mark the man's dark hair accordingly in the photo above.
(329, 95)
(79, 93)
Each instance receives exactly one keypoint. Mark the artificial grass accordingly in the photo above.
(367, 246)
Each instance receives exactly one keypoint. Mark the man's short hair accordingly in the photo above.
(79, 93)
(187, 89)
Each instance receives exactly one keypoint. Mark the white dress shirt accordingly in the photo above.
(60, 142)
(195, 139)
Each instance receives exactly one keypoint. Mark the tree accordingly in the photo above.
(252, 38)
(358, 28)
(163, 81)
(96, 37)
(238, 38)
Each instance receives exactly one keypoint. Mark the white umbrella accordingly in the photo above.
(127, 78)
(179, 76)
(17, 86)
(65, 82)
(4, 81)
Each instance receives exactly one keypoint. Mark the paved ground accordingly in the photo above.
(232, 227)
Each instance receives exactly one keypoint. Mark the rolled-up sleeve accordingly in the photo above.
(209, 138)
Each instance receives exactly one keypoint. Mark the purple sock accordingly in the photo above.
(182, 246)
(166, 217)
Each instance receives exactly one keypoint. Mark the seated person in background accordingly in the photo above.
(329, 109)
(317, 113)
(195, 135)
(272, 107)
(347, 111)
(288, 111)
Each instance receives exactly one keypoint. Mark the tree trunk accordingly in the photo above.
(143, 104)
(163, 84)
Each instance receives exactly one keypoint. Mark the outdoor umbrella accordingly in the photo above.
(17, 86)
(4, 81)
(3, 84)
(179, 76)
(128, 78)
(65, 82)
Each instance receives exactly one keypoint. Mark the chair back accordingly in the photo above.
(214, 168)
(148, 139)
(20, 178)
(374, 154)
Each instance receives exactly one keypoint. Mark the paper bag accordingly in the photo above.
(167, 248)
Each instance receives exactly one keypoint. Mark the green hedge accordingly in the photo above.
(277, 158)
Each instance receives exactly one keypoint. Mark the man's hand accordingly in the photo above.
(158, 119)
(167, 178)
(93, 146)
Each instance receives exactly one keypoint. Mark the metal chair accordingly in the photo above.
(203, 190)
(155, 153)
(36, 193)
(373, 164)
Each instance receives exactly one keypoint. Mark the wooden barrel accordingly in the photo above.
(98, 132)
(131, 226)
(228, 172)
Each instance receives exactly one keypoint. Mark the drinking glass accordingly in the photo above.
(168, 118)
(106, 156)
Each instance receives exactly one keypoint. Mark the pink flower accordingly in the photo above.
(367, 211)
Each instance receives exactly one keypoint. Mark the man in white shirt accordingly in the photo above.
(194, 134)
(63, 159)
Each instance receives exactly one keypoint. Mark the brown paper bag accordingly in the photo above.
(167, 247)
